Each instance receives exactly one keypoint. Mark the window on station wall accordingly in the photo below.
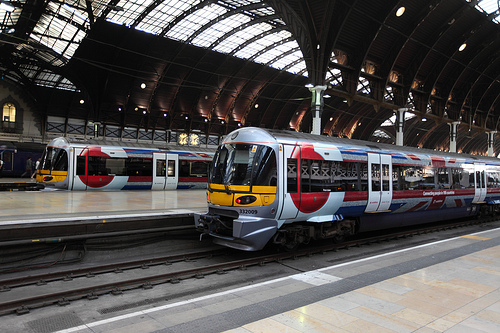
(9, 113)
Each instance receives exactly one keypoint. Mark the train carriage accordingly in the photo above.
(74, 166)
(289, 188)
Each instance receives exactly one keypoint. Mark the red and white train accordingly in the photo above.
(289, 188)
(76, 166)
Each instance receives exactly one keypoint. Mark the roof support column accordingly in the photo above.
(491, 142)
(400, 123)
(317, 108)
(453, 136)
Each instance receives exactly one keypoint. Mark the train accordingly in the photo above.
(14, 156)
(80, 166)
(288, 188)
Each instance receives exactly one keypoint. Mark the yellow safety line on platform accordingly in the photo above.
(476, 237)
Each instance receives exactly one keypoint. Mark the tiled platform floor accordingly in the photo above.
(446, 286)
(21, 205)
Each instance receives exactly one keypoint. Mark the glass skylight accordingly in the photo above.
(489, 7)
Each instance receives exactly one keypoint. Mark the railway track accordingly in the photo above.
(22, 294)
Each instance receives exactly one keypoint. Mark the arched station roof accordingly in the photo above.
(213, 65)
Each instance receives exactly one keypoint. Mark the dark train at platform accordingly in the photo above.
(80, 166)
(287, 188)
(15, 154)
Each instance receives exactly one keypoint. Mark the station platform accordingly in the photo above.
(56, 205)
(445, 286)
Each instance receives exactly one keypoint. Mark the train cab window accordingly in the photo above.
(171, 168)
(291, 175)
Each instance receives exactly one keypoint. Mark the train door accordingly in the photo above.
(291, 181)
(480, 183)
(80, 172)
(379, 183)
(165, 173)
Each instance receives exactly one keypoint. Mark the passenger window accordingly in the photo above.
(171, 168)
(160, 168)
(291, 175)
(80, 165)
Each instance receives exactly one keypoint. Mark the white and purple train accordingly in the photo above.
(289, 188)
(77, 166)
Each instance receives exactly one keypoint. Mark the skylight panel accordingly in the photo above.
(219, 29)
(286, 60)
(164, 14)
(131, 10)
(298, 67)
(275, 52)
(184, 29)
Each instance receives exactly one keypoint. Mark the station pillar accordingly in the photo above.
(400, 123)
(453, 136)
(491, 142)
(317, 108)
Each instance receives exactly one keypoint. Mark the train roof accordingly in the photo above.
(132, 145)
(282, 135)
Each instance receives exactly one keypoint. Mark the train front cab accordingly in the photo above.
(54, 165)
(241, 193)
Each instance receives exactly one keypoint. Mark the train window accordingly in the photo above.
(140, 167)
(160, 168)
(198, 169)
(375, 177)
(456, 177)
(115, 166)
(363, 176)
(428, 179)
(396, 177)
(385, 177)
(80, 165)
(493, 179)
(171, 168)
(291, 175)
(264, 172)
(60, 160)
(343, 176)
(443, 178)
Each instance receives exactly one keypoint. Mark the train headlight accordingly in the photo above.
(246, 200)
(47, 178)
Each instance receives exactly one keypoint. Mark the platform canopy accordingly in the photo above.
(211, 66)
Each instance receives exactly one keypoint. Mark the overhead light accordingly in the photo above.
(143, 85)
(143, 111)
(7, 7)
(82, 101)
(309, 85)
(400, 11)
(462, 47)
(327, 96)
(424, 119)
(256, 105)
(165, 114)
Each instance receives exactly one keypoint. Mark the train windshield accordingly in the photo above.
(244, 164)
(54, 159)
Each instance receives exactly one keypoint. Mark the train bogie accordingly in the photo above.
(320, 187)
